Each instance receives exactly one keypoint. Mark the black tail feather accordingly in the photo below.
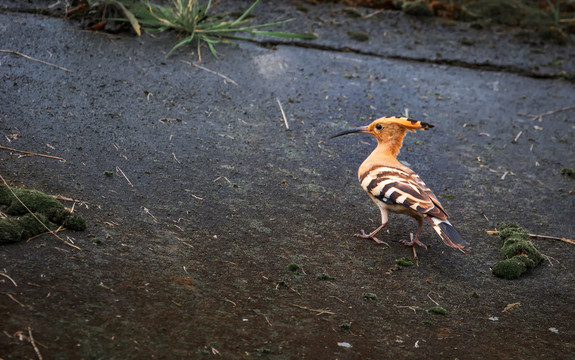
(448, 234)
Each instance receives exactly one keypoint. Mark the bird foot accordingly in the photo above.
(371, 236)
(413, 242)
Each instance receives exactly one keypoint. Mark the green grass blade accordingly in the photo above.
(183, 42)
(284, 35)
(212, 49)
(246, 13)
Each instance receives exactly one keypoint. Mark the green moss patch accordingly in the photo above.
(325, 277)
(369, 296)
(570, 173)
(417, 8)
(21, 225)
(358, 35)
(404, 262)
(520, 253)
(293, 268)
(437, 310)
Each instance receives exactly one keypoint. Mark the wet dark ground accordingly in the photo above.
(188, 259)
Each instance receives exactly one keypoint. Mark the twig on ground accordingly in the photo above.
(540, 116)
(31, 58)
(283, 114)
(59, 229)
(222, 177)
(226, 78)
(338, 299)
(34, 343)
(233, 303)
(60, 197)
(435, 302)
(410, 307)
(505, 173)
(32, 153)
(569, 241)
(9, 278)
(34, 215)
(517, 137)
(175, 158)
(372, 14)
(318, 311)
(124, 175)
(13, 298)
(147, 211)
(182, 240)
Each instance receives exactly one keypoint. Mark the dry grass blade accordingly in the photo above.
(226, 78)
(540, 116)
(12, 298)
(283, 113)
(318, 311)
(33, 59)
(9, 278)
(118, 170)
(34, 343)
(131, 18)
(568, 241)
(32, 153)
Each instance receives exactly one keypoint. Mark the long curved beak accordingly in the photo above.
(361, 129)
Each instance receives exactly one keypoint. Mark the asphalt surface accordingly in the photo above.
(188, 244)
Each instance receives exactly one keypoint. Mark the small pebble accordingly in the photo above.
(344, 344)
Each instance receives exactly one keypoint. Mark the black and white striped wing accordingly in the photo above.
(395, 186)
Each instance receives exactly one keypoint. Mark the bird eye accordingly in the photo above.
(379, 126)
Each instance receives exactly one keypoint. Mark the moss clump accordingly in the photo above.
(325, 277)
(75, 222)
(519, 252)
(352, 13)
(358, 35)
(417, 8)
(21, 228)
(67, 219)
(515, 247)
(509, 268)
(294, 268)
(35, 200)
(404, 262)
(570, 173)
(369, 296)
(510, 229)
(22, 225)
(437, 310)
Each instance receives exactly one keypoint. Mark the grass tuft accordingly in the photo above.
(195, 20)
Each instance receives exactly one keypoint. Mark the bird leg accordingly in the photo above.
(415, 240)
(371, 235)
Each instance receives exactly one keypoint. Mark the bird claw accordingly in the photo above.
(363, 235)
(413, 242)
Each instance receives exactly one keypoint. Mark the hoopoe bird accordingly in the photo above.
(396, 188)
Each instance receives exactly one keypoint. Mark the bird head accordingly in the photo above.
(386, 128)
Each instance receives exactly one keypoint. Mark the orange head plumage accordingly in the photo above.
(389, 131)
